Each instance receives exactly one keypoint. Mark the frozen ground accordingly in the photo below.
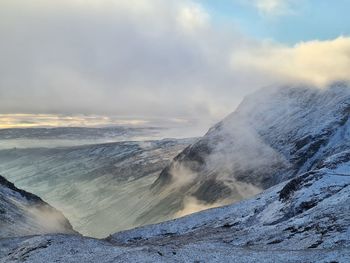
(73, 249)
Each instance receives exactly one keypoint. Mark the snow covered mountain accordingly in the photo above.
(101, 188)
(23, 214)
(310, 211)
(305, 219)
(291, 143)
(274, 135)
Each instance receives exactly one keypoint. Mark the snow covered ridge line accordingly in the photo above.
(23, 213)
(274, 135)
(29, 196)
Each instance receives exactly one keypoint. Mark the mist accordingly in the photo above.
(47, 219)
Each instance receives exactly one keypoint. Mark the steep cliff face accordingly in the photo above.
(23, 214)
(274, 135)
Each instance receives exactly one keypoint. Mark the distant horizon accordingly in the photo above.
(33, 121)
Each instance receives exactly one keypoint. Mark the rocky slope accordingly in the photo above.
(23, 214)
(305, 219)
(310, 211)
(101, 188)
(274, 135)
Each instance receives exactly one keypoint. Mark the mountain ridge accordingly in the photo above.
(23, 213)
(273, 135)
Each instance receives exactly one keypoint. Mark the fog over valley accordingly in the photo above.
(174, 131)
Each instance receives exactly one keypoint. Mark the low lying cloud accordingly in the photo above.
(193, 205)
(48, 219)
(50, 120)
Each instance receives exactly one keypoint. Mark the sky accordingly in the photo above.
(143, 60)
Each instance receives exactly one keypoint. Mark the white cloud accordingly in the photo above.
(51, 120)
(142, 59)
(193, 17)
(273, 7)
(316, 62)
(139, 58)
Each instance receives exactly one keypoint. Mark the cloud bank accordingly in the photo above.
(150, 58)
(315, 62)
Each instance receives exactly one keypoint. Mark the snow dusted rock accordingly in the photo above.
(309, 211)
(274, 135)
(74, 249)
(22, 213)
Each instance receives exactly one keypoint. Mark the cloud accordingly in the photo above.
(192, 205)
(316, 62)
(51, 120)
(137, 58)
(273, 7)
(193, 17)
(140, 59)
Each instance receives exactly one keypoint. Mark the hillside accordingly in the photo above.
(101, 188)
(23, 214)
(274, 135)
